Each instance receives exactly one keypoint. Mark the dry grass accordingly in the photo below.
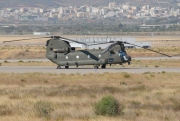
(22, 52)
(53, 97)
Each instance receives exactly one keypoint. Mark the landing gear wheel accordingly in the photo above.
(58, 67)
(103, 66)
(66, 67)
(129, 63)
(96, 67)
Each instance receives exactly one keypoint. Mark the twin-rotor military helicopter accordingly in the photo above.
(59, 51)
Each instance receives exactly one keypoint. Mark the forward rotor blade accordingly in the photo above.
(109, 47)
(24, 39)
(47, 37)
(148, 49)
(72, 40)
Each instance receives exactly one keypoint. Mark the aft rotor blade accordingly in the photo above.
(25, 39)
(149, 49)
(73, 40)
(98, 43)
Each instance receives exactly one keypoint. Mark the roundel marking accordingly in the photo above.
(77, 56)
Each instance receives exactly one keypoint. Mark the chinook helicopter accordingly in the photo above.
(59, 51)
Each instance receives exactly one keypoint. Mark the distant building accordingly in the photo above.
(80, 14)
(144, 26)
(41, 19)
(27, 18)
(90, 41)
(112, 5)
(41, 33)
(110, 14)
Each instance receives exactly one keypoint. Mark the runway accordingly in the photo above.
(81, 70)
(84, 69)
(136, 58)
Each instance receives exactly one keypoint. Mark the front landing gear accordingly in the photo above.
(96, 66)
(59, 67)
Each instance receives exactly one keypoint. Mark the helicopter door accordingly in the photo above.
(111, 59)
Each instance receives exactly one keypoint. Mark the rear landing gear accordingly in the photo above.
(66, 67)
(103, 66)
(58, 67)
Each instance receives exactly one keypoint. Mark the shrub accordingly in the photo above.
(123, 83)
(46, 81)
(5, 110)
(108, 106)
(0, 64)
(5, 61)
(126, 75)
(43, 109)
(23, 80)
(20, 61)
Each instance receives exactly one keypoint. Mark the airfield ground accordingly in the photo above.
(56, 97)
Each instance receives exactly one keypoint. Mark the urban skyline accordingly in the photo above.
(113, 10)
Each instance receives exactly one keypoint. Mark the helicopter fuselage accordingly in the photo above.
(60, 53)
(85, 57)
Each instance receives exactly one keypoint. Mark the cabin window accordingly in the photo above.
(112, 52)
(73, 48)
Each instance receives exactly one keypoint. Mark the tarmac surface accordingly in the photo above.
(84, 69)
(137, 58)
(81, 70)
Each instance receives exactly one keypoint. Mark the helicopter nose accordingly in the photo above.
(128, 57)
